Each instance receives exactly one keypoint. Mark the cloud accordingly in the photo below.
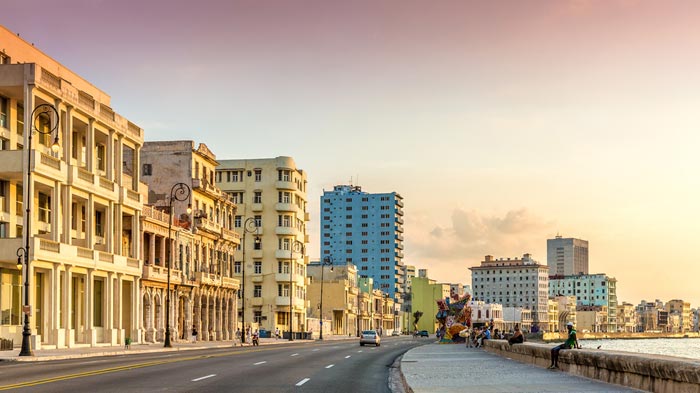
(470, 235)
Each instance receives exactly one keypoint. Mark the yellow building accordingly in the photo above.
(340, 297)
(203, 292)
(682, 309)
(272, 193)
(85, 201)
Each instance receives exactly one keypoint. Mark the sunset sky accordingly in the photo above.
(501, 123)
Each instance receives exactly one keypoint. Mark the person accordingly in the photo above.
(571, 342)
(277, 332)
(517, 337)
(255, 338)
(238, 335)
(194, 333)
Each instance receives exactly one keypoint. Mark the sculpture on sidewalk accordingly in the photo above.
(454, 316)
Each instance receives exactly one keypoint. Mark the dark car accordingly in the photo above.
(422, 333)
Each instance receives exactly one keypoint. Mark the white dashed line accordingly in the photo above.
(330, 365)
(303, 381)
(294, 354)
(259, 363)
(347, 356)
(204, 377)
(315, 350)
(359, 351)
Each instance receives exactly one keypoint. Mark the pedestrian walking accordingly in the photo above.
(194, 333)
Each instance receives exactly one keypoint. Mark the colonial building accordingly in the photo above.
(626, 318)
(340, 294)
(272, 193)
(203, 292)
(682, 309)
(85, 203)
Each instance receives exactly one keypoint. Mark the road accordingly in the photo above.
(338, 366)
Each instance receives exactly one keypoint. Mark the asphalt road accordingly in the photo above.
(337, 366)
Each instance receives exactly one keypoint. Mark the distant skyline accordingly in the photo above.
(500, 123)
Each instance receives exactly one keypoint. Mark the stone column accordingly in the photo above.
(90, 148)
(110, 156)
(68, 306)
(109, 312)
(67, 217)
(89, 310)
(152, 249)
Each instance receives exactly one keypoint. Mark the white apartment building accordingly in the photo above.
(517, 282)
(85, 202)
(203, 290)
(272, 192)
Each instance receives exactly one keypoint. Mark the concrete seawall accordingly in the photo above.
(654, 373)
(556, 336)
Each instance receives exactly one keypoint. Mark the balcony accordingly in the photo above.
(282, 301)
(230, 235)
(229, 282)
(208, 225)
(285, 185)
(399, 220)
(256, 207)
(307, 217)
(285, 207)
(256, 277)
(399, 202)
(12, 164)
(284, 254)
(156, 273)
(285, 231)
(256, 301)
(206, 278)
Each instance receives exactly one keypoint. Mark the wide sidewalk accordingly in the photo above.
(84, 352)
(452, 368)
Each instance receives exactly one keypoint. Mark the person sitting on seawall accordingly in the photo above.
(571, 343)
(517, 337)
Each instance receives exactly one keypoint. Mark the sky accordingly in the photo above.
(501, 123)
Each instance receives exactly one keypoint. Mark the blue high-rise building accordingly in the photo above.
(366, 230)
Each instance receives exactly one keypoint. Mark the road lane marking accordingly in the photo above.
(359, 351)
(259, 363)
(330, 365)
(315, 350)
(347, 356)
(303, 381)
(204, 377)
(294, 354)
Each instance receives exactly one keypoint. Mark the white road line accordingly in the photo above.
(259, 363)
(315, 350)
(303, 381)
(204, 377)
(347, 356)
(359, 351)
(294, 354)
(330, 365)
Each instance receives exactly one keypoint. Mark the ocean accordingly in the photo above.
(679, 347)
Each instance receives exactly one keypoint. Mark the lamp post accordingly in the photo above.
(43, 114)
(179, 192)
(249, 226)
(327, 261)
(299, 247)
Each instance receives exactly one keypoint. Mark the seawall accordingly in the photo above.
(557, 336)
(654, 373)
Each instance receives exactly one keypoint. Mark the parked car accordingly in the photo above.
(369, 337)
(395, 333)
(422, 333)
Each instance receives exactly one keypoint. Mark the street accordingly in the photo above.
(339, 366)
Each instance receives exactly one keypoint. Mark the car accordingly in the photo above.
(369, 337)
(422, 333)
(395, 333)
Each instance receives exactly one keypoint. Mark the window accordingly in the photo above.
(10, 297)
(237, 267)
(284, 197)
(146, 170)
(4, 59)
(99, 223)
(283, 175)
(282, 318)
(284, 221)
(3, 112)
(257, 265)
(257, 316)
(258, 222)
(282, 268)
(257, 291)
(258, 175)
(97, 303)
(20, 119)
(257, 197)
(44, 208)
(283, 290)
(237, 221)
(101, 157)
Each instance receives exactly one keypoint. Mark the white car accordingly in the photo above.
(369, 337)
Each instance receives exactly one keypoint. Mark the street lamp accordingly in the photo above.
(249, 226)
(298, 247)
(179, 192)
(327, 261)
(42, 114)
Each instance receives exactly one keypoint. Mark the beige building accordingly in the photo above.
(685, 316)
(626, 318)
(85, 201)
(340, 297)
(273, 193)
(203, 292)
(566, 311)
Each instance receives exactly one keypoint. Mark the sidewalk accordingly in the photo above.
(452, 367)
(85, 352)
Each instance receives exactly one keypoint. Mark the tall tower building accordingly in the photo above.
(567, 256)
(367, 230)
(271, 194)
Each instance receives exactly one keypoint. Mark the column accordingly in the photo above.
(118, 225)
(119, 308)
(152, 249)
(90, 148)
(118, 161)
(55, 210)
(135, 234)
(109, 312)
(67, 216)
(136, 311)
(163, 242)
(90, 223)
(110, 156)
(89, 308)
(68, 306)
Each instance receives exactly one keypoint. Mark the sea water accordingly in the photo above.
(680, 347)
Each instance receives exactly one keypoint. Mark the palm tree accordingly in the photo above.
(416, 318)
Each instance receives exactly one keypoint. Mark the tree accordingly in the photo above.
(416, 318)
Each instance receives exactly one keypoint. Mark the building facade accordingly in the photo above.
(567, 256)
(590, 290)
(517, 282)
(367, 230)
(85, 201)
(340, 297)
(272, 193)
(685, 316)
(203, 291)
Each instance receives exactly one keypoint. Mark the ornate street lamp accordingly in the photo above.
(179, 192)
(43, 114)
(327, 261)
(298, 247)
(249, 226)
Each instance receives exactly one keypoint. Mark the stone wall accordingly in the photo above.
(654, 373)
(560, 336)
